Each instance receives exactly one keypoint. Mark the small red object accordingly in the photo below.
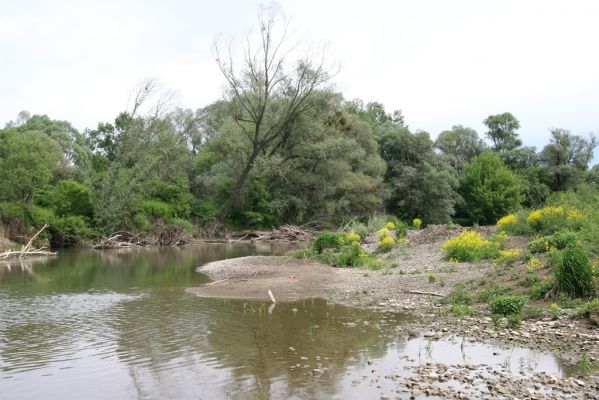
(291, 276)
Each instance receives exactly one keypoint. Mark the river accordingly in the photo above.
(120, 325)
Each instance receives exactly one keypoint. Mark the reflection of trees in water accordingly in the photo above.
(213, 349)
(123, 269)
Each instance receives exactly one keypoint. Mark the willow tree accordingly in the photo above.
(268, 89)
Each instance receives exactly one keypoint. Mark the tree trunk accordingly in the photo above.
(236, 192)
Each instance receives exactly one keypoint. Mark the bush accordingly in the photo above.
(417, 223)
(553, 219)
(386, 244)
(353, 237)
(540, 289)
(470, 246)
(71, 198)
(351, 256)
(401, 230)
(157, 209)
(507, 305)
(508, 258)
(573, 271)
(383, 233)
(329, 240)
(507, 223)
(390, 226)
(557, 241)
(203, 210)
(10, 211)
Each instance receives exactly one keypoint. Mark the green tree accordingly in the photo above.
(419, 182)
(265, 98)
(27, 163)
(328, 167)
(459, 145)
(566, 159)
(489, 188)
(502, 132)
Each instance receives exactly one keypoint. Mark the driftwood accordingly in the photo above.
(424, 293)
(28, 249)
(121, 240)
(284, 232)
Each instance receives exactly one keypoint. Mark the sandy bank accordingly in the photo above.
(251, 278)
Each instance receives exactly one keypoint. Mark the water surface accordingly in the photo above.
(119, 324)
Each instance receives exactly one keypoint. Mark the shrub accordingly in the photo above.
(401, 230)
(386, 243)
(157, 209)
(557, 241)
(552, 219)
(417, 223)
(351, 256)
(462, 310)
(506, 223)
(353, 237)
(375, 222)
(540, 289)
(329, 240)
(459, 296)
(534, 264)
(383, 233)
(507, 305)
(470, 246)
(508, 258)
(69, 197)
(573, 271)
(390, 226)
(10, 211)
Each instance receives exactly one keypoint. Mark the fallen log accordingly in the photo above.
(424, 293)
(28, 249)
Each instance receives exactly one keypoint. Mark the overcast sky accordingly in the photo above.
(441, 62)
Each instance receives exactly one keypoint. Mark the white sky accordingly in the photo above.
(441, 62)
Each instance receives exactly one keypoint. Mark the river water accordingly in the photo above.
(120, 325)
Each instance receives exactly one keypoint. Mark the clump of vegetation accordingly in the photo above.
(390, 226)
(557, 241)
(330, 240)
(534, 265)
(507, 223)
(417, 223)
(591, 307)
(554, 310)
(507, 258)
(386, 244)
(585, 365)
(352, 236)
(351, 256)
(401, 230)
(469, 246)
(507, 305)
(459, 296)
(514, 224)
(540, 289)
(462, 310)
(552, 219)
(431, 277)
(573, 271)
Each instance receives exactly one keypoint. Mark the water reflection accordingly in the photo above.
(119, 324)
